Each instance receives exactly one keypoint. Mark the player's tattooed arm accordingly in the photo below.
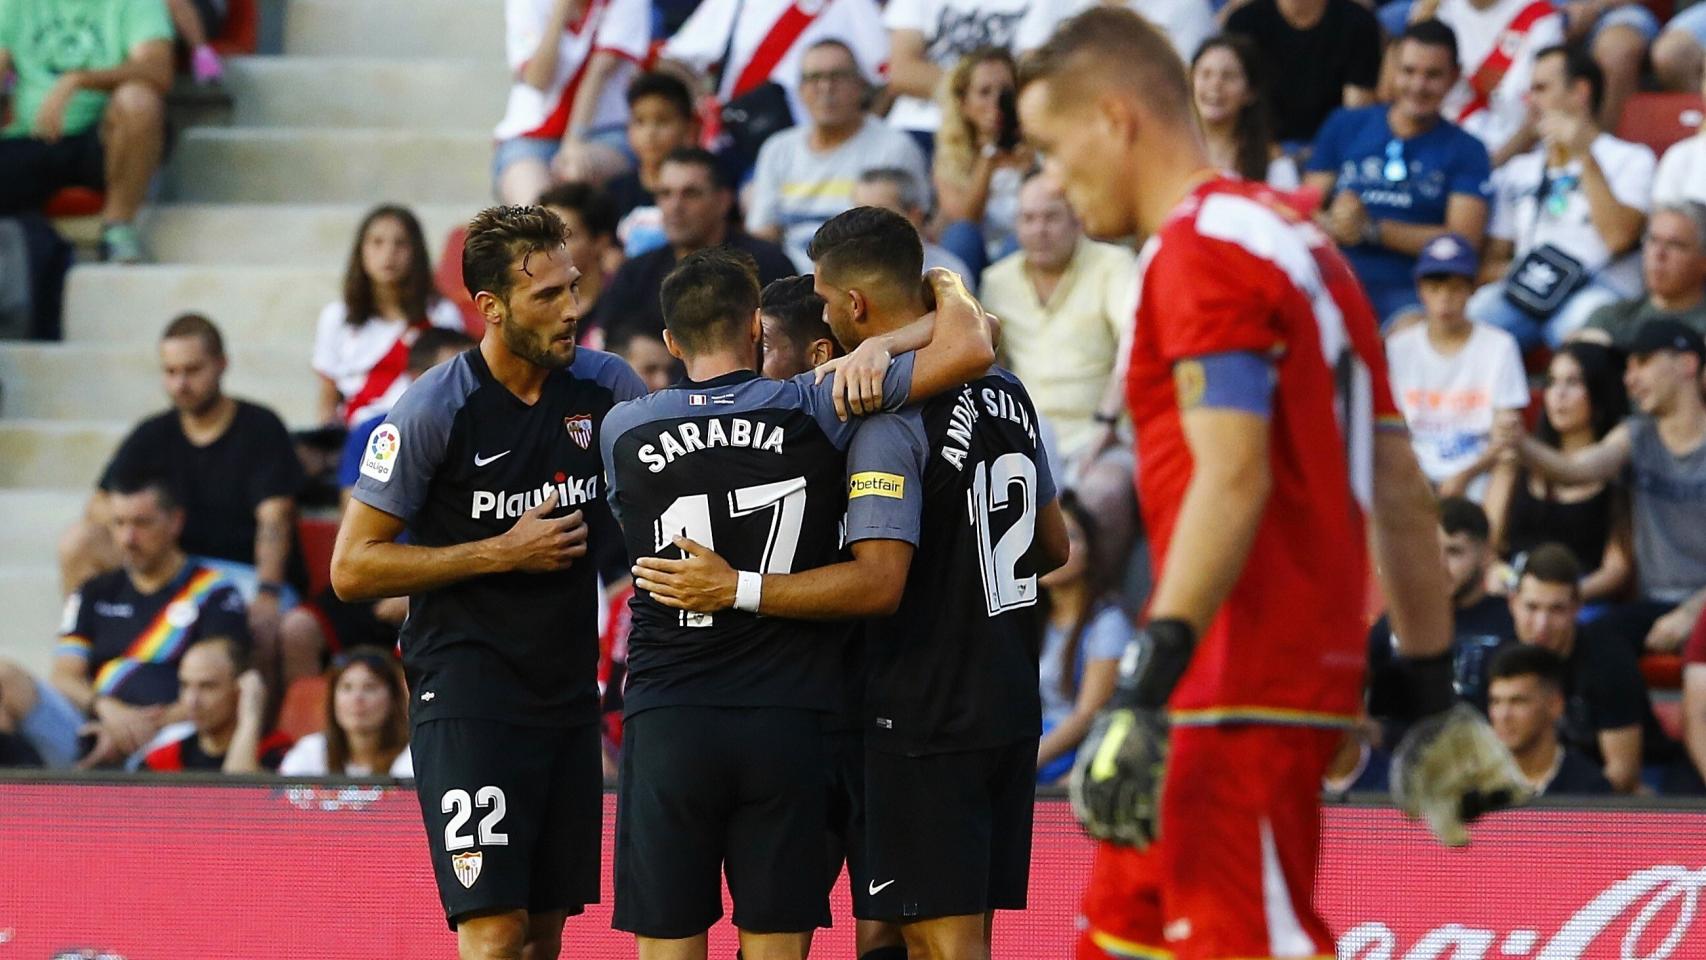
(869, 585)
(368, 563)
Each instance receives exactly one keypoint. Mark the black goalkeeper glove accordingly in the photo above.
(1450, 768)
(1116, 779)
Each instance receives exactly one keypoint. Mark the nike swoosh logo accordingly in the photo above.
(876, 888)
(480, 461)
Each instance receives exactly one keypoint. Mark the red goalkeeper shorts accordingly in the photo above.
(1233, 874)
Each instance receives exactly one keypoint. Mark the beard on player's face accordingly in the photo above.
(538, 347)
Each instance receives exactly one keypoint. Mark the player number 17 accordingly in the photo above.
(690, 517)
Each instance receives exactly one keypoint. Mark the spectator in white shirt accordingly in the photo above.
(1682, 172)
(1185, 22)
(361, 342)
(1229, 90)
(980, 158)
(805, 174)
(367, 722)
(1497, 41)
(572, 60)
(926, 39)
(1565, 214)
(1453, 379)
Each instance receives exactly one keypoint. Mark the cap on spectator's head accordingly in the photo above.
(1448, 254)
(1664, 334)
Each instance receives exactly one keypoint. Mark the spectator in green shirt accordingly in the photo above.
(88, 106)
(1673, 264)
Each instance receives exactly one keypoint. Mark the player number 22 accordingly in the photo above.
(992, 489)
(463, 807)
(690, 517)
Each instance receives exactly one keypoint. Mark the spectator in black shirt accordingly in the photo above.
(232, 466)
(1483, 623)
(1606, 713)
(696, 202)
(1526, 704)
(226, 702)
(661, 120)
(1327, 50)
(115, 673)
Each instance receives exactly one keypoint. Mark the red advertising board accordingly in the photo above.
(181, 872)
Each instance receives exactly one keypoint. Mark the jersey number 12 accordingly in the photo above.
(993, 487)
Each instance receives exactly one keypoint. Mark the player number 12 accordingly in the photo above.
(991, 490)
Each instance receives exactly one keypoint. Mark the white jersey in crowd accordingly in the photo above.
(1526, 218)
(1506, 29)
(951, 29)
(1185, 22)
(369, 363)
(623, 27)
(1682, 172)
(1449, 402)
(308, 759)
(799, 23)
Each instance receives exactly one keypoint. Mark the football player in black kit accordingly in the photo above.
(724, 750)
(951, 500)
(490, 462)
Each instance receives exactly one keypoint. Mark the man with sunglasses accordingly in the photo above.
(1394, 177)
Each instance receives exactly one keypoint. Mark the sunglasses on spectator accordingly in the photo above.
(828, 76)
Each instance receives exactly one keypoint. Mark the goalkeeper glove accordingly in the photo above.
(1116, 778)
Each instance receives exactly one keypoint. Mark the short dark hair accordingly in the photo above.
(871, 241)
(668, 87)
(841, 44)
(235, 651)
(1579, 65)
(1551, 563)
(912, 195)
(1432, 33)
(1463, 515)
(1527, 660)
(618, 339)
(797, 308)
(497, 236)
(429, 343)
(699, 157)
(595, 208)
(201, 328)
(708, 296)
(129, 484)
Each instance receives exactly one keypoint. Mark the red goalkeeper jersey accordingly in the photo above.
(1234, 271)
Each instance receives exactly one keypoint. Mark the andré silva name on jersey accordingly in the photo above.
(973, 403)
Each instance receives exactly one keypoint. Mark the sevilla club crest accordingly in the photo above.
(580, 429)
(467, 867)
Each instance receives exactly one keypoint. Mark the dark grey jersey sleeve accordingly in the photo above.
(403, 453)
(885, 478)
(609, 371)
(820, 399)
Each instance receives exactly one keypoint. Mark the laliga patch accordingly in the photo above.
(580, 429)
(874, 484)
(381, 456)
(467, 865)
(1189, 382)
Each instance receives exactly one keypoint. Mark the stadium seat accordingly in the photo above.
(1663, 671)
(75, 202)
(1660, 119)
(316, 535)
(304, 708)
(242, 28)
(448, 276)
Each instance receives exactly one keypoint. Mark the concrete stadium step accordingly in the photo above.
(395, 28)
(253, 306)
(35, 519)
(30, 596)
(56, 454)
(271, 234)
(97, 381)
(420, 94)
(280, 165)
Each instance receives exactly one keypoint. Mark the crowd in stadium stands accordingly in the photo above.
(1538, 267)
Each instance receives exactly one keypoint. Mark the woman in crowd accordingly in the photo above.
(1584, 399)
(980, 160)
(367, 722)
(1227, 89)
(361, 345)
(1083, 639)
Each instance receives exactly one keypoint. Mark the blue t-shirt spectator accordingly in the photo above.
(1407, 180)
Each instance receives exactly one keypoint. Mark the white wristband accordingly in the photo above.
(748, 587)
